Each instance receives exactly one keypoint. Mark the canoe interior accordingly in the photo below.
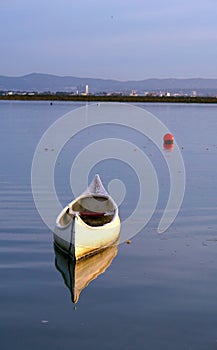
(88, 204)
(97, 221)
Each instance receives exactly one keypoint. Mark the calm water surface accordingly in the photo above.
(159, 292)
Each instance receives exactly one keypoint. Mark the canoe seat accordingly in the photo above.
(91, 213)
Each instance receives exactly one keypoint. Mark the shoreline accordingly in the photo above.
(115, 98)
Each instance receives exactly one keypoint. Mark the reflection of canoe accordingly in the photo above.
(89, 223)
(78, 274)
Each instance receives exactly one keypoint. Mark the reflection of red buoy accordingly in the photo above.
(168, 139)
(168, 146)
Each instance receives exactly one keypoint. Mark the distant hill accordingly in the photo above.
(46, 82)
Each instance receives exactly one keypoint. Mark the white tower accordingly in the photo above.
(86, 90)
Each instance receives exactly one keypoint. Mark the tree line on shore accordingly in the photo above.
(111, 98)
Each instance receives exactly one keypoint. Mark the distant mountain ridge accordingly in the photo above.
(53, 83)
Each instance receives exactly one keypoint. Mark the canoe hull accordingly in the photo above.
(83, 240)
(92, 239)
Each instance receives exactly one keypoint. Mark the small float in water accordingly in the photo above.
(89, 223)
(168, 142)
(168, 139)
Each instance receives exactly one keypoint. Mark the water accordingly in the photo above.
(159, 292)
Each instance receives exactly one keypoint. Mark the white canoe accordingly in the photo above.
(89, 223)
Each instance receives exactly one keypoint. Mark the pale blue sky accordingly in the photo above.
(117, 39)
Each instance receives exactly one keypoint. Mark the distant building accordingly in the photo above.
(133, 93)
(167, 94)
(83, 91)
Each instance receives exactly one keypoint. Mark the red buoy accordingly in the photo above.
(168, 139)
